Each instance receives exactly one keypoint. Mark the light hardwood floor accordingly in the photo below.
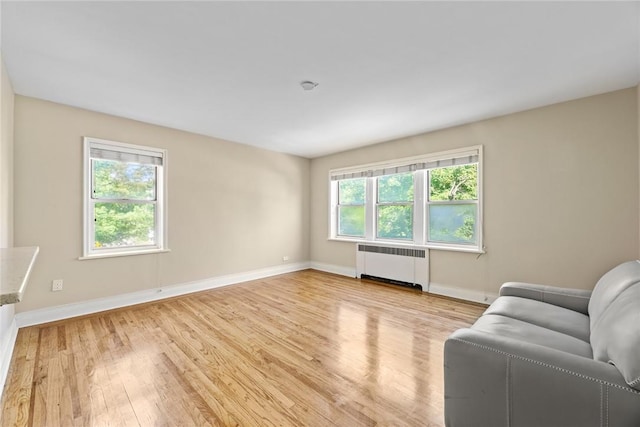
(301, 349)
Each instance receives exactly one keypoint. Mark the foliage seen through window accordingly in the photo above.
(395, 207)
(351, 204)
(124, 212)
(451, 220)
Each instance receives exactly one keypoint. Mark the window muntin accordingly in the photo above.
(394, 207)
(444, 211)
(351, 207)
(124, 199)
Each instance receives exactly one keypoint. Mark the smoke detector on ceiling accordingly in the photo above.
(308, 85)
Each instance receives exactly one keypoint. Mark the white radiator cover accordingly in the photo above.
(393, 263)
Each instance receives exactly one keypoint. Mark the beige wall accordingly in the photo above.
(6, 161)
(232, 208)
(562, 198)
(561, 192)
(6, 203)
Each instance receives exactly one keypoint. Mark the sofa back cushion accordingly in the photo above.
(609, 287)
(616, 336)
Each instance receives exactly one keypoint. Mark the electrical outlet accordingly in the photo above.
(56, 285)
(285, 258)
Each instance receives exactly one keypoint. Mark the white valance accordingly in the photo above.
(431, 161)
(148, 158)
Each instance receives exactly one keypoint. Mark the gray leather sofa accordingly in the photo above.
(545, 356)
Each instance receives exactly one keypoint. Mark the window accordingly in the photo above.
(394, 207)
(453, 204)
(432, 200)
(351, 196)
(124, 199)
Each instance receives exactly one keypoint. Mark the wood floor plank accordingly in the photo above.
(301, 349)
(20, 378)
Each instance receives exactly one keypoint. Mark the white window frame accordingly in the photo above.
(420, 201)
(160, 232)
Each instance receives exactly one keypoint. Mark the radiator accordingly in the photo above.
(397, 265)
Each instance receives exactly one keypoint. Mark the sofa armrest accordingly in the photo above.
(572, 299)
(491, 380)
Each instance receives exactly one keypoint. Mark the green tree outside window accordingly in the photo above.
(125, 212)
(453, 221)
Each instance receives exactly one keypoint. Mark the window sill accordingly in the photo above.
(120, 254)
(472, 250)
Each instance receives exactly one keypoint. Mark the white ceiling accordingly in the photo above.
(385, 69)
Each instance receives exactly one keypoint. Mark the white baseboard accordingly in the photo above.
(6, 346)
(51, 314)
(335, 269)
(460, 293)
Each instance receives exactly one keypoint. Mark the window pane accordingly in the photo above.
(351, 221)
(120, 180)
(395, 188)
(395, 222)
(124, 224)
(452, 223)
(454, 183)
(351, 191)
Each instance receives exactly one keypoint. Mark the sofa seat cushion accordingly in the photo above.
(523, 331)
(542, 314)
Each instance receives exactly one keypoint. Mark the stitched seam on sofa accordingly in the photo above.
(557, 368)
(601, 405)
(607, 406)
(508, 393)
